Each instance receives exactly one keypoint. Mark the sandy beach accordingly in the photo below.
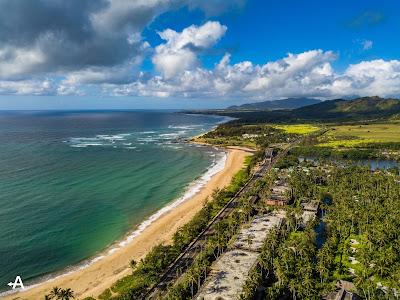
(94, 279)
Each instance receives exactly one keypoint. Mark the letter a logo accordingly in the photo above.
(17, 283)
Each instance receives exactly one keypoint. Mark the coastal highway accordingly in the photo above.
(186, 258)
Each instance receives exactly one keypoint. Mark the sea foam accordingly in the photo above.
(217, 166)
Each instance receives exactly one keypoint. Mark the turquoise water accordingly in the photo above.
(72, 183)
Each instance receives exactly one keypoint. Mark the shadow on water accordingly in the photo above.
(374, 164)
(320, 228)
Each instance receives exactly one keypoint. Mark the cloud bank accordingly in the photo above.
(76, 47)
(308, 74)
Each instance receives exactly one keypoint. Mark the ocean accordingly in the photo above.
(76, 183)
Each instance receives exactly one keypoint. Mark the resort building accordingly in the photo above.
(345, 291)
(228, 275)
(311, 206)
(230, 272)
(252, 237)
(250, 135)
(276, 201)
(310, 211)
(279, 193)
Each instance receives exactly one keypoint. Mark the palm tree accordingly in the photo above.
(192, 278)
(60, 294)
(66, 294)
(55, 293)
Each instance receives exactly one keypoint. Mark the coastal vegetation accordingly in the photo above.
(217, 243)
(365, 246)
(60, 294)
(287, 268)
(299, 260)
(355, 245)
(147, 271)
(192, 280)
(254, 136)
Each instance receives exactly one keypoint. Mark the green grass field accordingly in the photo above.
(348, 136)
(228, 141)
(298, 128)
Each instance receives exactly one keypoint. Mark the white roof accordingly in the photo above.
(252, 237)
(228, 275)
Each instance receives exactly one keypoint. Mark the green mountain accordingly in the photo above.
(365, 108)
(289, 103)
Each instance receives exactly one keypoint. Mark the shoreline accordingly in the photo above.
(193, 188)
(101, 271)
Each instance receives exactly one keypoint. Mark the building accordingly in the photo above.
(276, 201)
(279, 193)
(269, 154)
(229, 273)
(251, 238)
(253, 199)
(345, 290)
(311, 206)
(310, 211)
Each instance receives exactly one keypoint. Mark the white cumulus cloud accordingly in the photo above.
(28, 87)
(304, 74)
(179, 53)
(97, 46)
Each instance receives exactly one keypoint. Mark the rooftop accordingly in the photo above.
(252, 237)
(230, 271)
(311, 206)
(228, 275)
(308, 216)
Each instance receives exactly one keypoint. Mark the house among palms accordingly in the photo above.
(345, 290)
(229, 273)
(311, 206)
(279, 193)
(310, 211)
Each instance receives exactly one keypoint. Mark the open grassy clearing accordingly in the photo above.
(349, 136)
(298, 128)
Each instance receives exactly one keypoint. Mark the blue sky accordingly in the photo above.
(194, 54)
(268, 30)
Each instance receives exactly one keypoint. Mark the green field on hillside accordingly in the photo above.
(348, 136)
(298, 128)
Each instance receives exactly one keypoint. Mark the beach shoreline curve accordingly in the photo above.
(103, 270)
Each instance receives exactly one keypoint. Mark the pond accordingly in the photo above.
(377, 163)
(374, 164)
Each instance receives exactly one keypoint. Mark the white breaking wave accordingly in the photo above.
(193, 189)
(217, 166)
